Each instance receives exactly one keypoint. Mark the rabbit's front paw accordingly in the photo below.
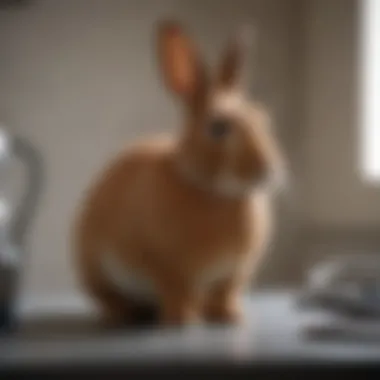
(228, 312)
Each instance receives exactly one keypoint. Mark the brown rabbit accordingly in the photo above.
(181, 222)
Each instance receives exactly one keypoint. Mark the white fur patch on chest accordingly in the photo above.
(230, 186)
(127, 280)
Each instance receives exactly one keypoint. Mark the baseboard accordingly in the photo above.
(72, 305)
(60, 304)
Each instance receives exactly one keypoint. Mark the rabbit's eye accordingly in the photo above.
(219, 128)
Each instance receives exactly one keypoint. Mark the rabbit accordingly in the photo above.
(181, 222)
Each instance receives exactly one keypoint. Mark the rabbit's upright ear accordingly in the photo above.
(180, 63)
(234, 58)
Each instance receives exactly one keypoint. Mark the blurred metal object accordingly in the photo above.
(346, 285)
(15, 222)
(346, 269)
(4, 146)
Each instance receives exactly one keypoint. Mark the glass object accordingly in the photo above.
(15, 221)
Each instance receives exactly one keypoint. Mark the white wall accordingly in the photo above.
(335, 194)
(78, 77)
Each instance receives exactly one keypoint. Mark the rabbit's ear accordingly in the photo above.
(180, 63)
(234, 58)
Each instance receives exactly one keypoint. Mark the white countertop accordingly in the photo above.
(274, 333)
